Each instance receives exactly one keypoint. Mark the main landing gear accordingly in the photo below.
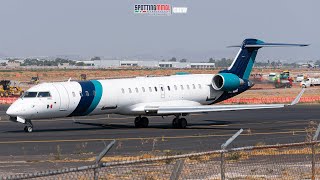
(29, 127)
(141, 122)
(179, 123)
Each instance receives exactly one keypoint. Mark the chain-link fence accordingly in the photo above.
(283, 161)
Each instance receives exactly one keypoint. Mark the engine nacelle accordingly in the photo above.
(226, 82)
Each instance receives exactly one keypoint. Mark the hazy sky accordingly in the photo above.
(110, 28)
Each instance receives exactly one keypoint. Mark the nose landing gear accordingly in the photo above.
(29, 126)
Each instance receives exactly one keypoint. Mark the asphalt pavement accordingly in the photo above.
(205, 132)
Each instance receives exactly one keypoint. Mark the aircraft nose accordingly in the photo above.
(11, 111)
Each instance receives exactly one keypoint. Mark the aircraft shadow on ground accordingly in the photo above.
(208, 124)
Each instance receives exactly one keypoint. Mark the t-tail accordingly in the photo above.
(244, 61)
(239, 71)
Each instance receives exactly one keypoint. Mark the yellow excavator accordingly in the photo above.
(34, 80)
(9, 88)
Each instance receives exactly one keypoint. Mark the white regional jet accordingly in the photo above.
(177, 95)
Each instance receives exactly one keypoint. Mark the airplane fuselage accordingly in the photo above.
(126, 96)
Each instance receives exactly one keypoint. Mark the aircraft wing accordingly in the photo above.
(214, 108)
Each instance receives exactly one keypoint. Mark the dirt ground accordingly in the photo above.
(261, 89)
(47, 75)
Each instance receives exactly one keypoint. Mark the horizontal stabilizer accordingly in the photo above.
(260, 45)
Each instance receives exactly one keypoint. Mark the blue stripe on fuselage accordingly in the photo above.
(85, 101)
(97, 96)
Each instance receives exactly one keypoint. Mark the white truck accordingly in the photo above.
(300, 78)
(310, 82)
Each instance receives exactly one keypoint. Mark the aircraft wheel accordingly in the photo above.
(28, 129)
(137, 122)
(144, 122)
(141, 122)
(182, 123)
(175, 123)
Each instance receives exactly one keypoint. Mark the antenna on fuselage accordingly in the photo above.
(69, 79)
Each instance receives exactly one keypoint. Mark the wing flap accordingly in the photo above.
(213, 108)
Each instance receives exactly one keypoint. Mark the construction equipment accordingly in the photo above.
(283, 80)
(9, 88)
(34, 80)
(83, 77)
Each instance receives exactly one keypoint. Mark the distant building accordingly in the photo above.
(63, 65)
(165, 64)
(129, 63)
(13, 63)
(86, 63)
(203, 65)
(107, 63)
(150, 64)
(307, 65)
(186, 65)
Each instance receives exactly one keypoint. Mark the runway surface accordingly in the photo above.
(205, 132)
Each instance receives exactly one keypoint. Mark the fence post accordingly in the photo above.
(177, 169)
(99, 157)
(313, 163)
(222, 167)
(223, 147)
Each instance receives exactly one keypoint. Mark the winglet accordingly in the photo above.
(297, 99)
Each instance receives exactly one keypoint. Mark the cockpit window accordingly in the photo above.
(29, 94)
(44, 94)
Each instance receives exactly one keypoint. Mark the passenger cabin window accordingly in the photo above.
(175, 87)
(87, 93)
(169, 88)
(143, 89)
(181, 87)
(29, 94)
(122, 90)
(150, 89)
(193, 86)
(161, 88)
(44, 94)
(188, 87)
(130, 90)
(73, 94)
(199, 85)
(155, 88)
(94, 93)
(137, 90)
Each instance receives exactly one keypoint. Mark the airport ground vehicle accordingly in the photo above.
(257, 77)
(300, 77)
(310, 82)
(283, 80)
(271, 77)
(83, 77)
(9, 88)
(34, 80)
